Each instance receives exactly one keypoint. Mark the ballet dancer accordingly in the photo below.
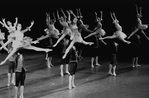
(83, 29)
(19, 41)
(66, 29)
(135, 37)
(118, 35)
(98, 33)
(76, 35)
(52, 33)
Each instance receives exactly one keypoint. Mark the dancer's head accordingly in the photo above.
(19, 26)
(75, 20)
(9, 23)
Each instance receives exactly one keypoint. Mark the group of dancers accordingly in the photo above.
(70, 37)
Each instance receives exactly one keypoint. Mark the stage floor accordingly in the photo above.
(43, 82)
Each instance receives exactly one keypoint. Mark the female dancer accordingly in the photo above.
(66, 29)
(52, 33)
(114, 45)
(65, 37)
(11, 68)
(99, 32)
(76, 35)
(72, 66)
(83, 29)
(11, 28)
(19, 41)
(135, 37)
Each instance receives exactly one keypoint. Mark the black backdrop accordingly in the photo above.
(28, 10)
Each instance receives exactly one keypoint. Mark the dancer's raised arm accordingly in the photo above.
(28, 28)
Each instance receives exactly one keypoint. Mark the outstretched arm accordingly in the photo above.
(65, 17)
(15, 24)
(4, 24)
(28, 28)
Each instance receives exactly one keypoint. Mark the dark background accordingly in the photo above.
(28, 10)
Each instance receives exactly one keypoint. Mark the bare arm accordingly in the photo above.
(65, 17)
(15, 24)
(5, 25)
(28, 28)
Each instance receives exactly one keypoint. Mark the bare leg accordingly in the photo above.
(48, 62)
(37, 48)
(97, 61)
(61, 70)
(16, 92)
(68, 49)
(87, 43)
(110, 69)
(73, 77)
(13, 79)
(133, 62)
(21, 91)
(92, 62)
(2, 43)
(9, 55)
(70, 82)
(137, 62)
(66, 71)
(9, 78)
(114, 70)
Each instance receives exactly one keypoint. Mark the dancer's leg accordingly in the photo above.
(66, 71)
(61, 70)
(9, 79)
(70, 82)
(97, 61)
(13, 79)
(21, 91)
(10, 54)
(110, 69)
(114, 70)
(68, 49)
(73, 77)
(37, 48)
(137, 62)
(16, 92)
(92, 62)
